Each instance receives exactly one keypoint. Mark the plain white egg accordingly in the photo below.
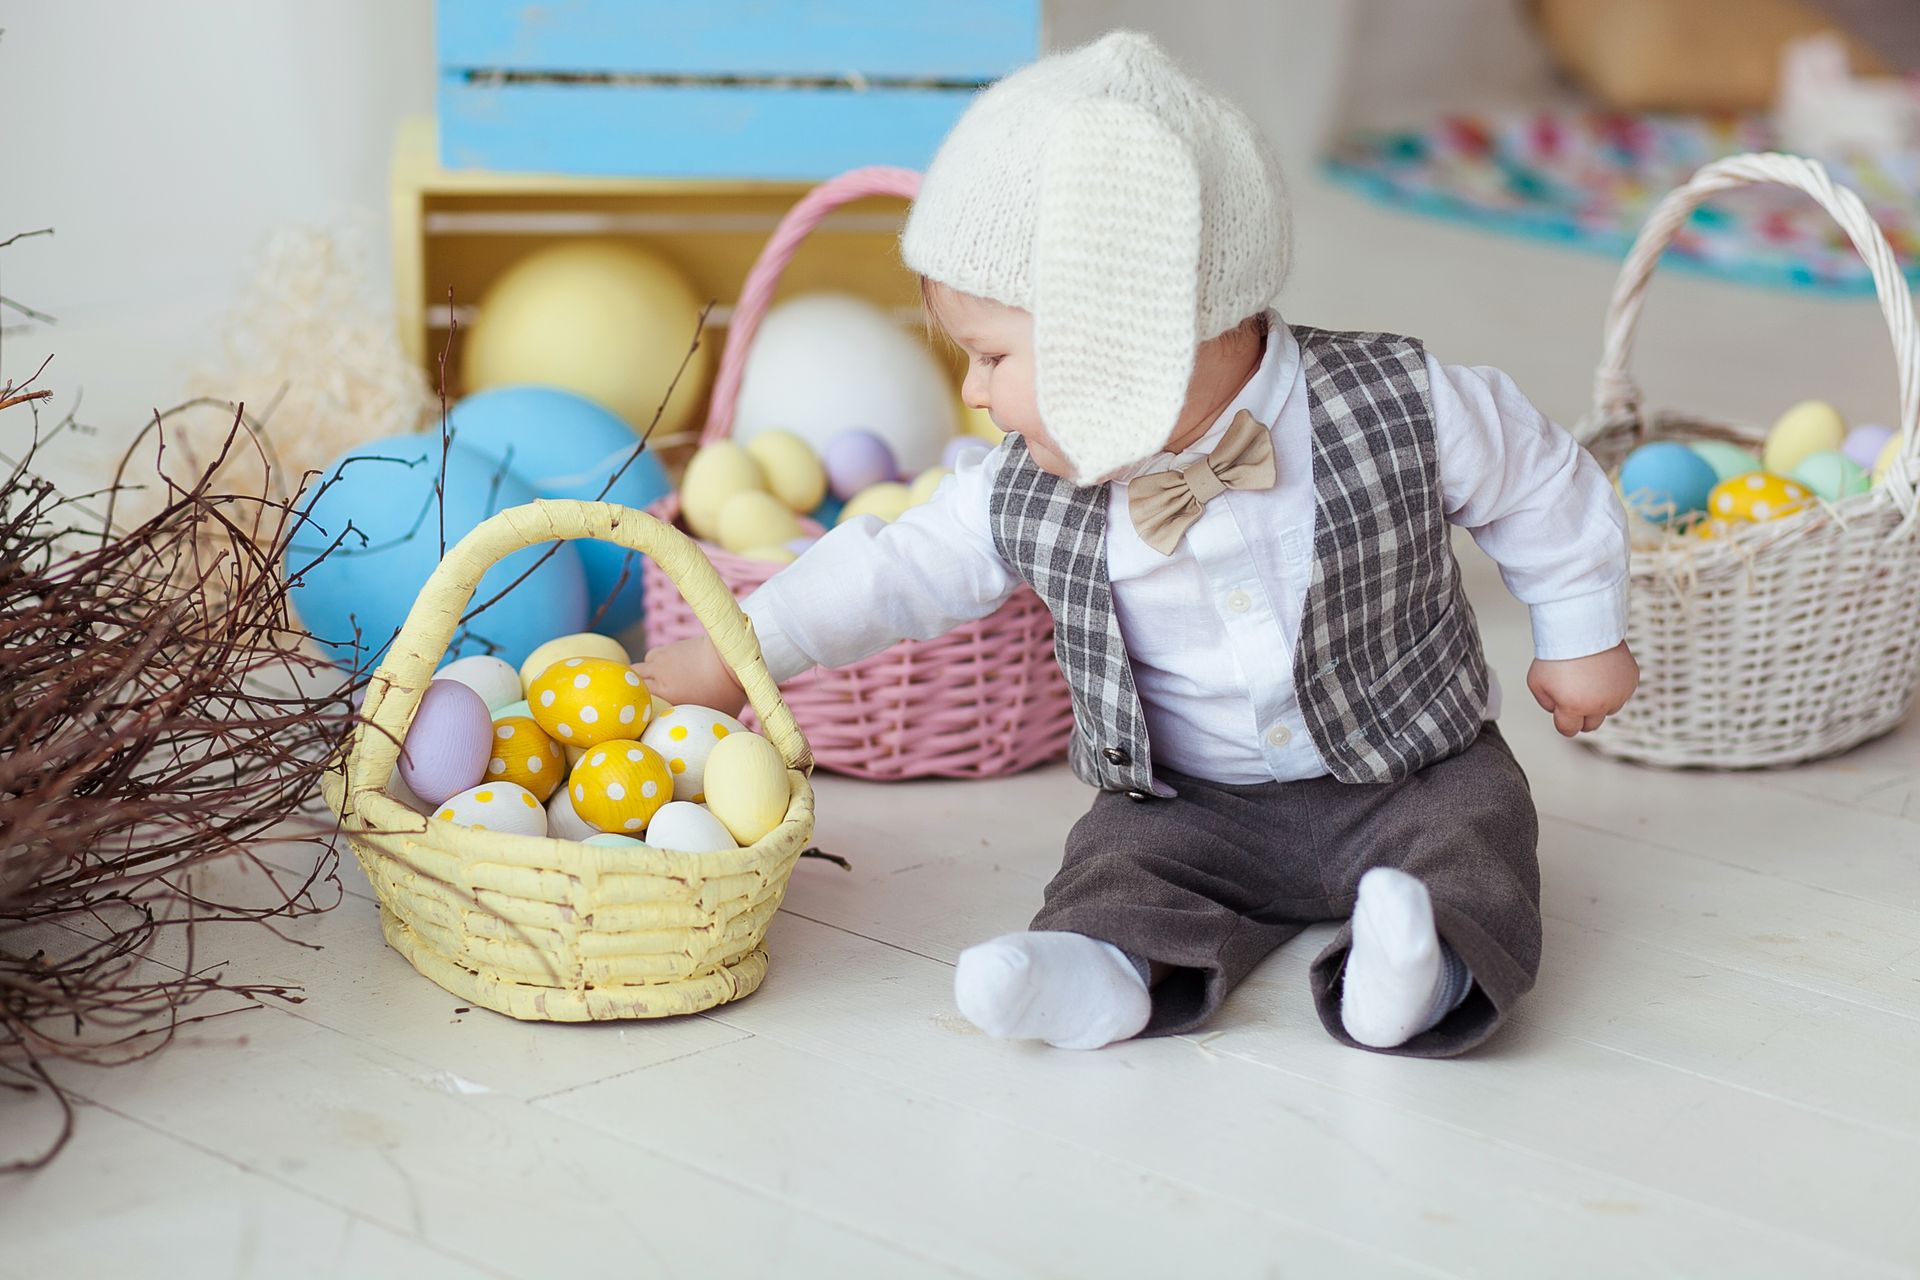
(494, 679)
(688, 828)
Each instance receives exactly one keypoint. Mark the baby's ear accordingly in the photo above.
(1116, 262)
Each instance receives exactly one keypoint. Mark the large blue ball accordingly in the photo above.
(377, 500)
(567, 446)
(1666, 480)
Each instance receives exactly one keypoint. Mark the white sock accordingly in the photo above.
(1400, 979)
(1070, 990)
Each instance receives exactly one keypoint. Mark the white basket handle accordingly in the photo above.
(1615, 395)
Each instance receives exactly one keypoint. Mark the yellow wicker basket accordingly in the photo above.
(553, 929)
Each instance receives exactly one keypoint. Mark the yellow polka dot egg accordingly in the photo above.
(685, 737)
(583, 702)
(523, 754)
(619, 785)
(1756, 496)
(496, 806)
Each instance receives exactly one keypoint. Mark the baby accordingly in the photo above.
(1241, 529)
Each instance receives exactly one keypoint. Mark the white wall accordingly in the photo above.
(164, 139)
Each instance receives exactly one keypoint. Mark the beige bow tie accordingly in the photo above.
(1164, 504)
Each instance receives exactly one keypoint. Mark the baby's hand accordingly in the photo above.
(692, 671)
(1583, 692)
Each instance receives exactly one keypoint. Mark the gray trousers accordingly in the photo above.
(1210, 882)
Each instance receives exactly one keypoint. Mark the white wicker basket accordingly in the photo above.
(1786, 640)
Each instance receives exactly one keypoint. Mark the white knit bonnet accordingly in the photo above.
(1132, 212)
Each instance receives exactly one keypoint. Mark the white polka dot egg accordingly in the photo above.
(619, 785)
(496, 806)
(583, 702)
(685, 737)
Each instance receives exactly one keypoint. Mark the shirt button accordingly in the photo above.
(1239, 602)
(1280, 735)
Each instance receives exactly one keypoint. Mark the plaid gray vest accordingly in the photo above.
(1388, 669)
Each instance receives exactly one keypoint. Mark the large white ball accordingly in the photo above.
(824, 362)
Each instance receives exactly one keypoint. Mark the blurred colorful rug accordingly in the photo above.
(1590, 179)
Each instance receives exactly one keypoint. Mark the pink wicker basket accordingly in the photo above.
(984, 700)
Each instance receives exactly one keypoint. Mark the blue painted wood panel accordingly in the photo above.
(690, 131)
(977, 40)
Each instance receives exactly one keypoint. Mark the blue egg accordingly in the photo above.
(566, 446)
(827, 512)
(1666, 480)
(377, 502)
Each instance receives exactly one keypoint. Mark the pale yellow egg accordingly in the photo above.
(583, 701)
(978, 422)
(888, 501)
(772, 555)
(660, 706)
(582, 644)
(747, 787)
(715, 474)
(754, 519)
(1883, 463)
(925, 484)
(619, 785)
(1810, 427)
(793, 470)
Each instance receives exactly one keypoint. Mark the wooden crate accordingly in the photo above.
(794, 89)
(456, 230)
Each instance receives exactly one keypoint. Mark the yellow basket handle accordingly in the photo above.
(1617, 397)
(395, 690)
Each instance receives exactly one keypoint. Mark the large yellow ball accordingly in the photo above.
(607, 320)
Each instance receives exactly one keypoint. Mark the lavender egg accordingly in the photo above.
(799, 545)
(856, 460)
(1864, 443)
(446, 747)
(960, 447)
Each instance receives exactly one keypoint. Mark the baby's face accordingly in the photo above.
(998, 342)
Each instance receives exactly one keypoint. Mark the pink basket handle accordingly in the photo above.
(756, 295)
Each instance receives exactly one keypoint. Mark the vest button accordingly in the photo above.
(1115, 755)
(1137, 796)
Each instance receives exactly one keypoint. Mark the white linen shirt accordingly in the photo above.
(1211, 629)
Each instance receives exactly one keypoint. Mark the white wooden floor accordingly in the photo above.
(1715, 1076)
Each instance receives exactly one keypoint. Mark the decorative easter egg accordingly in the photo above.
(520, 708)
(445, 750)
(827, 514)
(715, 474)
(688, 828)
(823, 361)
(494, 679)
(746, 786)
(1832, 475)
(925, 484)
(585, 701)
(566, 446)
(563, 823)
(772, 555)
(887, 501)
(377, 502)
(1811, 426)
(963, 447)
(1757, 496)
(1665, 480)
(581, 644)
(1727, 460)
(1884, 462)
(792, 468)
(1864, 443)
(496, 806)
(755, 519)
(798, 546)
(856, 460)
(619, 785)
(524, 754)
(603, 318)
(660, 706)
(685, 737)
(612, 838)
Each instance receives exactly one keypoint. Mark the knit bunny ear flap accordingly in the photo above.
(1116, 259)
